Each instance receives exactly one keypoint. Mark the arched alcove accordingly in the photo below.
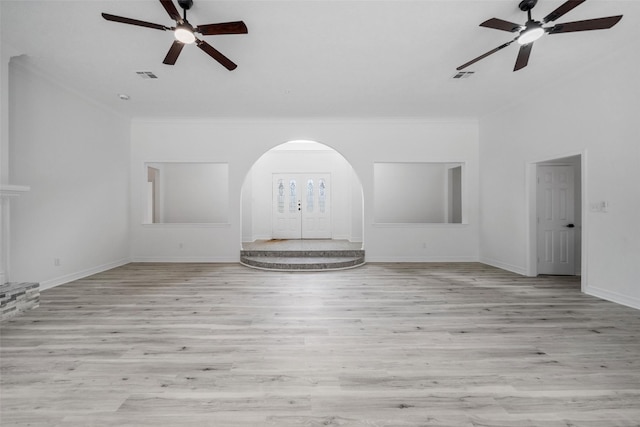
(302, 158)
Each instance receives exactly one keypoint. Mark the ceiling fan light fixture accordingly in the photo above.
(533, 29)
(184, 35)
(183, 32)
(530, 35)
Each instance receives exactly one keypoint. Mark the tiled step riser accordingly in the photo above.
(16, 298)
(306, 266)
(306, 254)
(288, 259)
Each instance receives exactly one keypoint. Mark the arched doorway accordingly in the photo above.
(297, 178)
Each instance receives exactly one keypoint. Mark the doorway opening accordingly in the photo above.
(302, 190)
(556, 219)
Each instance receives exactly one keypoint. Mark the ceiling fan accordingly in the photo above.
(533, 30)
(184, 32)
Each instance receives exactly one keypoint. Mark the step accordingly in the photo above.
(301, 253)
(305, 263)
(16, 298)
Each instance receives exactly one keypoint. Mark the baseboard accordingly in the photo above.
(256, 237)
(613, 297)
(504, 266)
(370, 258)
(52, 283)
(218, 260)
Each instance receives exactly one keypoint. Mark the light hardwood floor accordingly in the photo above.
(382, 345)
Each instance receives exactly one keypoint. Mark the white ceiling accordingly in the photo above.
(306, 58)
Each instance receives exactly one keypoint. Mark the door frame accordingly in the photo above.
(531, 212)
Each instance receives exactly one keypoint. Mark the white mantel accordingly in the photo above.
(7, 192)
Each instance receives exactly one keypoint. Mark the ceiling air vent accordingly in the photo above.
(146, 74)
(463, 74)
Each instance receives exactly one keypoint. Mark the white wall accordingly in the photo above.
(240, 143)
(74, 155)
(410, 192)
(258, 201)
(357, 201)
(596, 112)
(195, 192)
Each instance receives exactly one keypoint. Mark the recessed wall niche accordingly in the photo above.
(418, 193)
(186, 193)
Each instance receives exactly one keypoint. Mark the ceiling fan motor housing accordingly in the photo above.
(185, 4)
(527, 5)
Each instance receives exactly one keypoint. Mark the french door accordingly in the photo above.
(301, 207)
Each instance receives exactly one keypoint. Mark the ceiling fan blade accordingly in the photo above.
(171, 10)
(237, 27)
(499, 24)
(212, 52)
(562, 9)
(174, 52)
(523, 56)
(473, 61)
(124, 20)
(586, 25)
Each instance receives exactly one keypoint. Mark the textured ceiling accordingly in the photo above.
(305, 58)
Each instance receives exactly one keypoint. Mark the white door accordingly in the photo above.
(556, 221)
(301, 206)
(316, 207)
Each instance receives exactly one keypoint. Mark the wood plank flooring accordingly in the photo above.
(382, 345)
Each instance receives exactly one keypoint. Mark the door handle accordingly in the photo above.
(569, 225)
